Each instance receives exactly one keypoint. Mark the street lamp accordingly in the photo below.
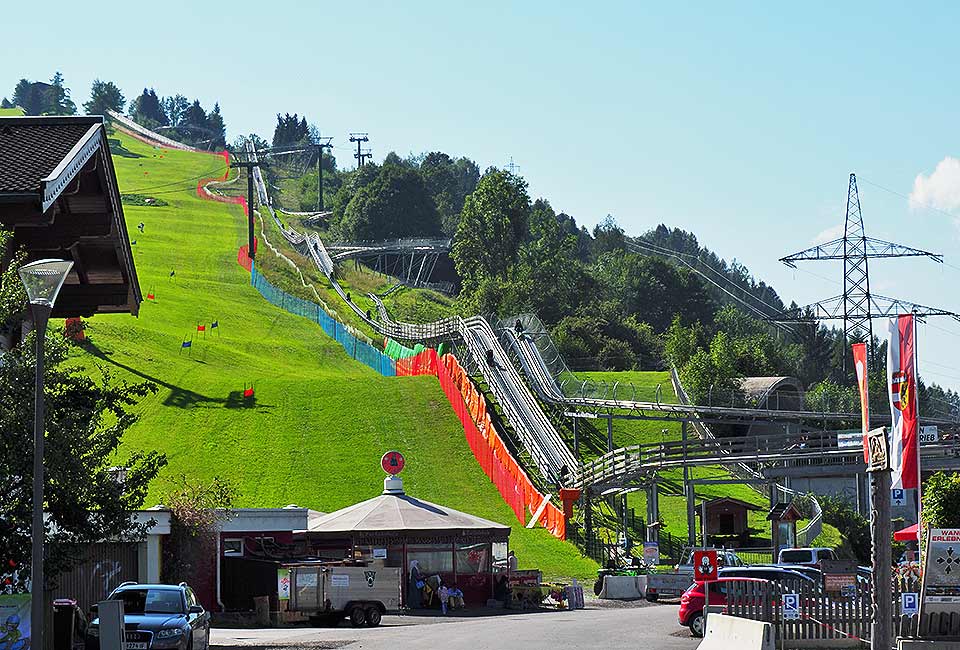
(42, 280)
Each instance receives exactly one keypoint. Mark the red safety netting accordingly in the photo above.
(243, 256)
(488, 448)
(204, 193)
(424, 363)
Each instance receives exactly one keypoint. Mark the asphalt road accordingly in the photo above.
(610, 628)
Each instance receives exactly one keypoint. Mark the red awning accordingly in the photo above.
(907, 534)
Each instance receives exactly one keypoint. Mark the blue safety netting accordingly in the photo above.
(358, 349)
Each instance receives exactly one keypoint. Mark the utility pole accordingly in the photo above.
(320, 147)
(688, 490)
(360, 155)
(857, 306)
(512, 168)
(367, 153)
(249, 164)
(881, 530)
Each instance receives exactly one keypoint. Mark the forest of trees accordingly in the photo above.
(612, 302)
(178, 118)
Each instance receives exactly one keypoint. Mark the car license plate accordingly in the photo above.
(135, 645)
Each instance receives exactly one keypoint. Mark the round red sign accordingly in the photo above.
(392, 462)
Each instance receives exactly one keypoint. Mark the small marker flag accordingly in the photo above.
(172, 273)
(186, 344)
(201, 328)
(214, 325)
(248, 392)
(150, 296)
(133, 243)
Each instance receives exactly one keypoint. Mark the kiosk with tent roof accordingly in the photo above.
(394, 529)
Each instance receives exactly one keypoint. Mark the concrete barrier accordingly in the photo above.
(623, 587)
(732, 633)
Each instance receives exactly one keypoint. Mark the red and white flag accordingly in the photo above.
(860, 363)
(902, 380)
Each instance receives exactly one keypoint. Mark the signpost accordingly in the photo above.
(651, 553)
(909, 604)
(392, 462)
(941, 572)
(839, 576)
(929, 435)
(898, 497)
(791, 607)
(705, 570)
(881, 532)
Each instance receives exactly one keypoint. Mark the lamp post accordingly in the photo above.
(42, 280)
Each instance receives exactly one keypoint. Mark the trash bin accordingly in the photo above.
(69, 624)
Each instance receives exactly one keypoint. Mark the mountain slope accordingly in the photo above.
(314, 433)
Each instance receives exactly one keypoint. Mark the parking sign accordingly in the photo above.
(898, 497)
(909, 604)
(791, 606)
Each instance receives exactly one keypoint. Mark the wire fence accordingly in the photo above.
(352, 341)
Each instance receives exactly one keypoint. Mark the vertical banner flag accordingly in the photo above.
(860, 362)
(902, 379)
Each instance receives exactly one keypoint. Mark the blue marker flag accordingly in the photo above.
(186, 344)
(214, 324)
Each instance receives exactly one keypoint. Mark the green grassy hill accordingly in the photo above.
(320, 421)
(11, 112)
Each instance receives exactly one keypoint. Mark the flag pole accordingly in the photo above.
(916, 375)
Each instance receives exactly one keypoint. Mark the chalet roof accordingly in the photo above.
(713, 503)
(59, 196)
(31, 148)
(784, 512)
(396, 512)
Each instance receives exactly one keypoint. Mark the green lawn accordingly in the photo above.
(319, 423)
(11, 112)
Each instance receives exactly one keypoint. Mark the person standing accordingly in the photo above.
(511, 562)
(415, 586)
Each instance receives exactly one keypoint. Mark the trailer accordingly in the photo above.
(329, 593)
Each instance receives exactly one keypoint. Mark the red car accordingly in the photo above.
(692, 601)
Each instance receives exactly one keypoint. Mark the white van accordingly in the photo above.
(805, 556)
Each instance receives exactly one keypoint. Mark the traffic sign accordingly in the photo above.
(898, 497)
(909, 604)
(392, 462)
(705, 565)
(791, 607)
(651, 553)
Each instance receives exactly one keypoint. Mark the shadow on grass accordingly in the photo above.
(117, 149)
(181, 397)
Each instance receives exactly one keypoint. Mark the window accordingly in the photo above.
(473, 558)
(233, 547)
(151, 601)
(726, 523)
(432, 559)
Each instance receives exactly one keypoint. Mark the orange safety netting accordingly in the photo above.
(488, 448)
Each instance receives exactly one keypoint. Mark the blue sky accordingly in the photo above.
(739, 123)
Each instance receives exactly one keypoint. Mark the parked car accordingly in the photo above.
(808, 556)
(811, 572)
(157, 616)
(725, 558)
(772, 573)
(693, 599)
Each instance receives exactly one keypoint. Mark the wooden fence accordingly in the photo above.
(829, 619)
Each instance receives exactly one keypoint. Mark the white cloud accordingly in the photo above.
(940, 190)
(834, 232)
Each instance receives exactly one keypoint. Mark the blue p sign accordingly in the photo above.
(791, 606)
(898, 497)
(909, 604)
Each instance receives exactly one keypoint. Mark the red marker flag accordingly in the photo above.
(248, 392)
(860, 363)
(201, 328)
(902, 380)
(150, 296)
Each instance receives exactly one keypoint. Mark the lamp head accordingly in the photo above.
(43, 279)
